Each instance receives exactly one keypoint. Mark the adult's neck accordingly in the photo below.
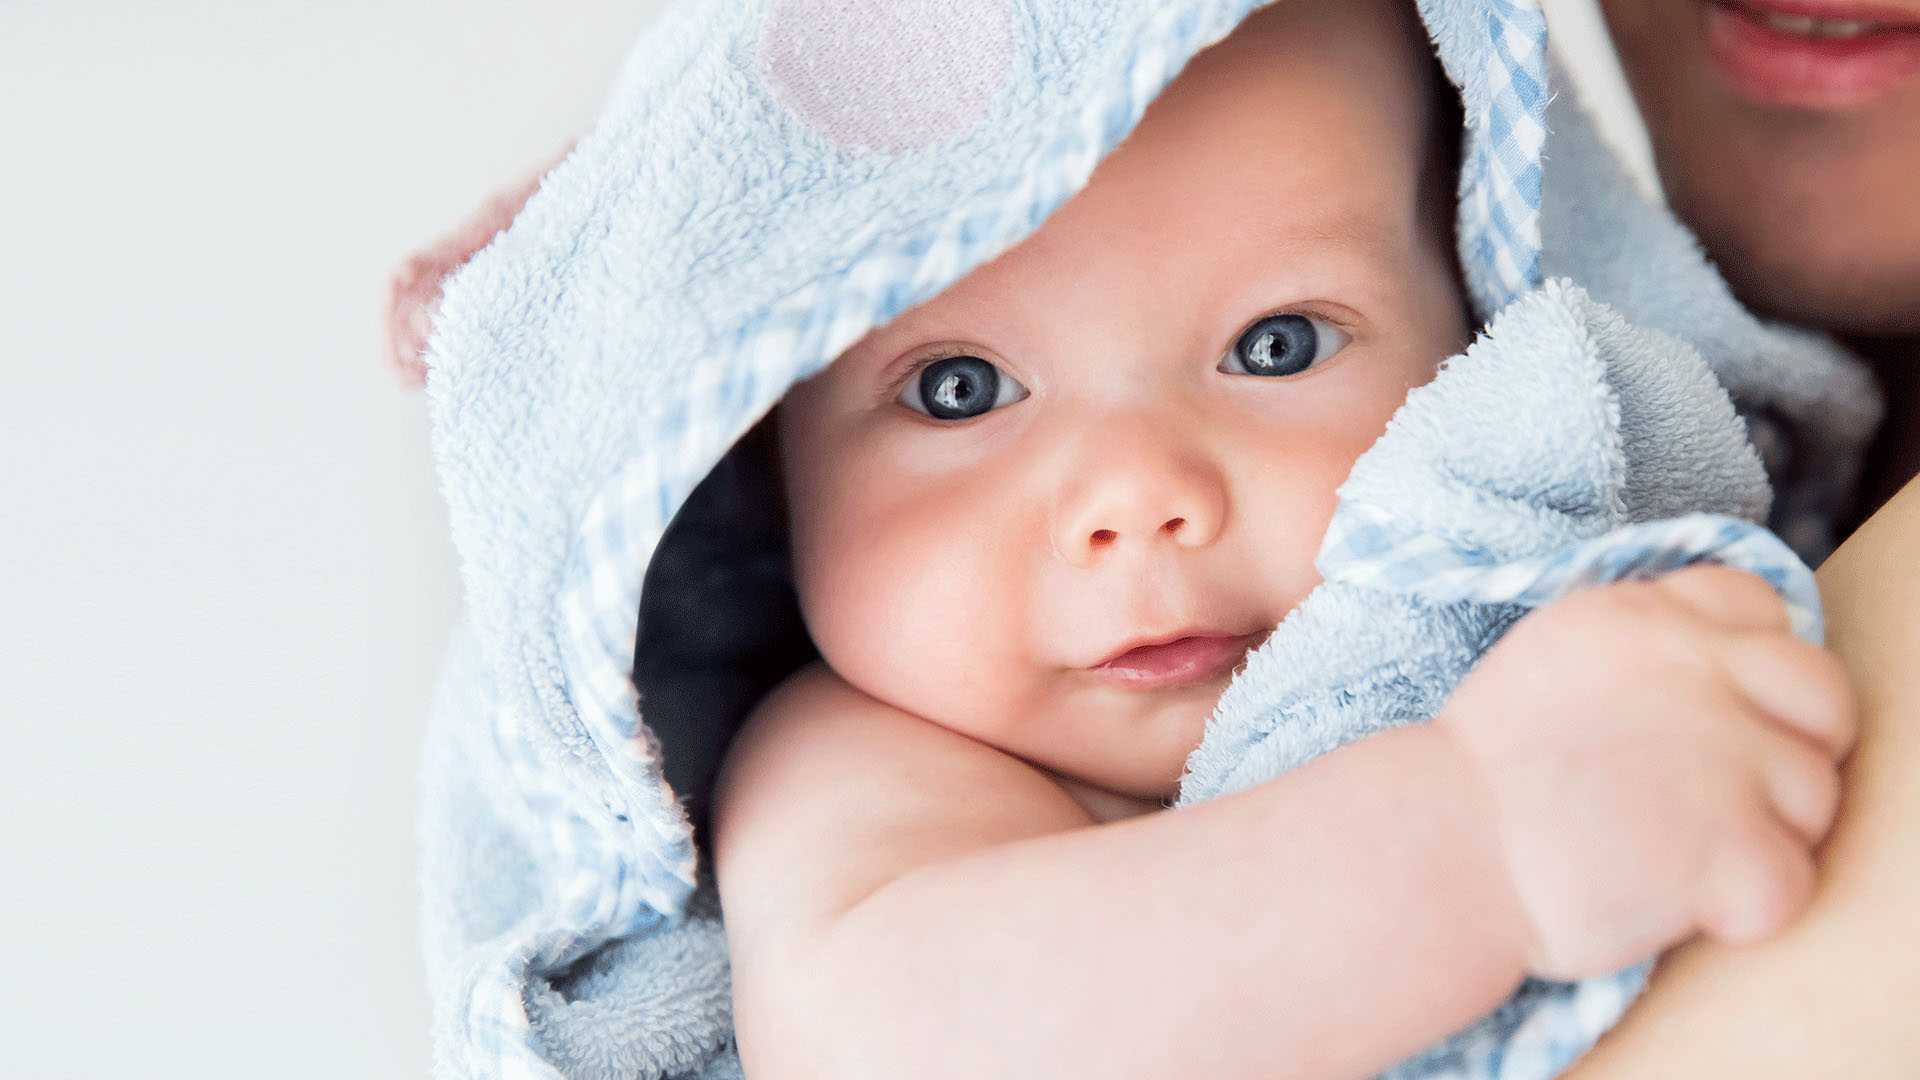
(1894, 457)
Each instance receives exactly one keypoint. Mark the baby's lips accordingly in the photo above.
(1180, 662)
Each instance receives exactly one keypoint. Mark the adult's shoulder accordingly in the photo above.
(1834, 994)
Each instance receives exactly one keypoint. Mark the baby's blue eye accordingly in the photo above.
(959, 388)
(1283, 345)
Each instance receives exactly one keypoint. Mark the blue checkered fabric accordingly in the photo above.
(1368, 546)
(1501, 181)
(1535, 1034)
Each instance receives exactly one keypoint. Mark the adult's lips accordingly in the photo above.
(1815, 54)
(1182, 658)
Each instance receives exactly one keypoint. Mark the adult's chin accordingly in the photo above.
(1808, 202)
(1795, 272)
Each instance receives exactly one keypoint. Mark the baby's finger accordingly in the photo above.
(1798, 684)
(1760, 880)
(1729, 598)
(1802, 783)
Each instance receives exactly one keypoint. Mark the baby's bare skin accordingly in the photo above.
(903, 901)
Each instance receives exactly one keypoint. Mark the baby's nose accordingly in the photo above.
(1139, 498)
(1103, 537)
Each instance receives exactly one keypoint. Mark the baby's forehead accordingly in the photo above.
(1310, 123)
(1291, 153)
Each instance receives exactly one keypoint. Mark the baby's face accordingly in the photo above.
(1129, 428)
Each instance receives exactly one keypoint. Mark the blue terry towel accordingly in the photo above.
(766, 184)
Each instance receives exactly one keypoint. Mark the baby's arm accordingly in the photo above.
(904, 901)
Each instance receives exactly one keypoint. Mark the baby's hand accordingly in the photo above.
(1659, 758)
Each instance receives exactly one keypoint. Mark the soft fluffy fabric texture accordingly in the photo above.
(748, 205)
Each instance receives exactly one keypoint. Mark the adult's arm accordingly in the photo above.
(1836, 994)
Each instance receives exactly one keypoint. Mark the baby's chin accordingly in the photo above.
(1129, 741)
(1133, 743)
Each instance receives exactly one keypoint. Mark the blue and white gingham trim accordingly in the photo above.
(1371, 548)
(1535, 1034)
(1500, 175)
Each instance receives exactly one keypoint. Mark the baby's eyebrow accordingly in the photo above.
(876, 352)
(1344, 225)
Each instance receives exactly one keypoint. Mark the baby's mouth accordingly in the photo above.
(1182, 660)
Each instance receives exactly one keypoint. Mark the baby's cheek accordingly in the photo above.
(1294, 533)
(902, 597)
(1288, 507)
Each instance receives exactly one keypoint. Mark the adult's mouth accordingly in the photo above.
(1183, 658)
(1812, 54)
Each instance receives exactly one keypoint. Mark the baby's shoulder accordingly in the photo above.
(826, 794)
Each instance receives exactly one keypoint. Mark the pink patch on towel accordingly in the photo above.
(887, 75)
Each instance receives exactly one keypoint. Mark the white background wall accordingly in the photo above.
(224, 570)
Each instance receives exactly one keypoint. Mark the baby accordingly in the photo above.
(1036, 523)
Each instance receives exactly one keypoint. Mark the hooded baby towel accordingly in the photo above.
(772, 178)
